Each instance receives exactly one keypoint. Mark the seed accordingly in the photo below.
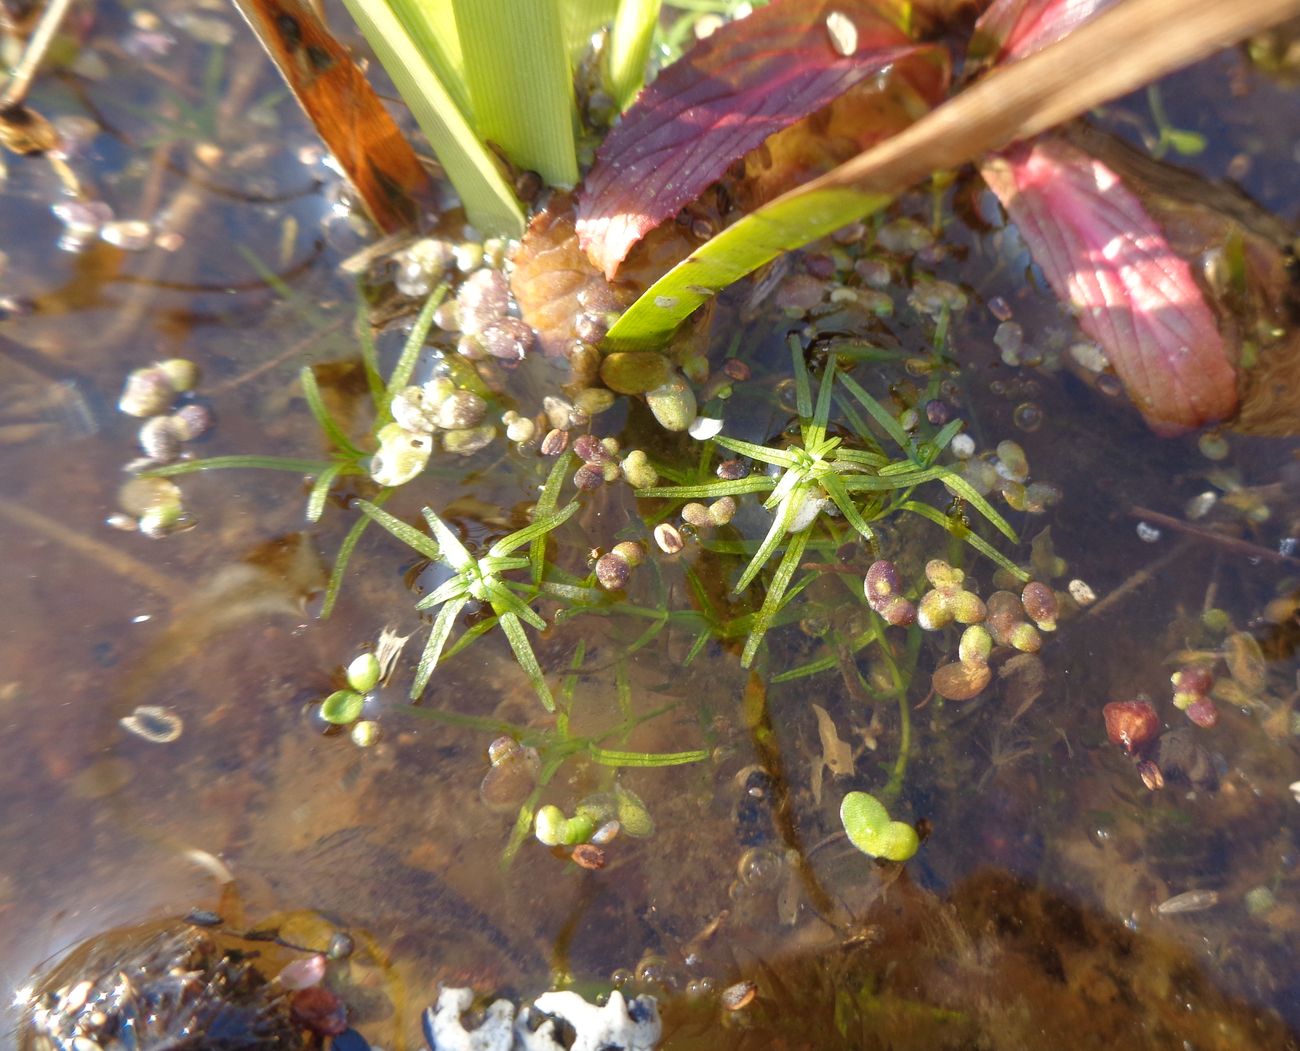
(589, 856)
(738, 996)
(696, 515)
(147, 392)
(613, 572)
(153, 724)
(1039, 601)
(160, 438)
(669, 538)
(555, 442)
(1151, 774)
(1134, 725)
(961, 681)
(589, 476)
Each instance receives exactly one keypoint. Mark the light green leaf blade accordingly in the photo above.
(517, 68)
(629, 48)
(531, 532)
(454, 553)
(489, 200)
(527, 659)
(775, 593)
(408, 535)
(441, 631)
(758, 238)
(411, 349)
(326, 422)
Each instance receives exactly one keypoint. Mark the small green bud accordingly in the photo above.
(363, 673)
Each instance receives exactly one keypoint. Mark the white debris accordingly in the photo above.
(616, 1026)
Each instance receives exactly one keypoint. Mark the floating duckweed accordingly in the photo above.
(1245, 661)
(883, 591)
(1147, 533)
(638, 470)
(905, 236)
(365, 733)
(1025, 638)
(975, 646)
(401, 457)
(363, 673)
(635, 372)
(1039, 496)
(961, 680)
(673, 404)
(630, 552)
(191, 421)
(632, 814)
(1008, 338)
(470, 440)
(459, 410)
(154, 724)
(555, 442)
(342, 707)
(594, 400)
(548, 825)
(519, 428)
(1012, 464)
(942, 575)
(703, 428)
(160, 439)
(934, 611)
(722, 510)
(613, 572)
(697, 515)
(963, 446)
(1213, 446)
(869, 828)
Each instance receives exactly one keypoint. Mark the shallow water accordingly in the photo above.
(1031, 907)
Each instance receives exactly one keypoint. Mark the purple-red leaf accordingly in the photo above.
(1104, 254)
(1011, 29)
(720, 100)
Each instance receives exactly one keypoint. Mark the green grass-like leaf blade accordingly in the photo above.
(408, 535)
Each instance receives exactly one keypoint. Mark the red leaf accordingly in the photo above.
(1104, 254)
(723, 98)
(1011, 29)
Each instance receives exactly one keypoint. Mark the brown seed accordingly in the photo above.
(961, 680)
(669, 538)
(1133, 725)
(555, 442)
(1150, 773)
(589, 856)
(1040, 603)
(738, 996)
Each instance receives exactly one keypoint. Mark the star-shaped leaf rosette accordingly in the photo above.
(859, 481)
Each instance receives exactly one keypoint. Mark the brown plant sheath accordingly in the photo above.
(345, 110)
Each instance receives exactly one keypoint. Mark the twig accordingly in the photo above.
(1138, 579)
(16, 90)
(1228, 543)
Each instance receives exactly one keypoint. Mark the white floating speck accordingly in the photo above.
(1295, 790)
(1148, 534)
(703, 428)
(153, 724)
(665, 302)
(1081, 592)
(843, 33)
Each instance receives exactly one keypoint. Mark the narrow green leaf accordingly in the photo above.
(879, 413)
(326, 422)
(609, 757)
(776, 457)
(370, 358)
(779, 528)
(320, 490)
(860, 457)
(438, 635)
(581, 18)
(972, 496)
(802, 385)
(775, 592)
(834, 487)
(505, 602)
(758, 238)
(408, 535)
(344, 556)
(453, 552)
(517, 68)
(454, 588)
(546, 504)
(534, 530)
(413, 346)
(814, 435)
(755, 483)
(432, 27)
(220, 463)
(527, 659)
(489, 200)
(629, 48)
(967, 536)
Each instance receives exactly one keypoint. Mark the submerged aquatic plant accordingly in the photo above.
(863, 484)
(476, 580)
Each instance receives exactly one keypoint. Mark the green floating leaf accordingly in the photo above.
(869, 828)
(342, 707)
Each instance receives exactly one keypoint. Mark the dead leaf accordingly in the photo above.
(837, 755)
(1102, 252)
(725, 96)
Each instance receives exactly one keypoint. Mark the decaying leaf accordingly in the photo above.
(1023, 679)
(345, 110)
(1011, 29)
(1104, 255)
(837, 755)
(723, 98)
